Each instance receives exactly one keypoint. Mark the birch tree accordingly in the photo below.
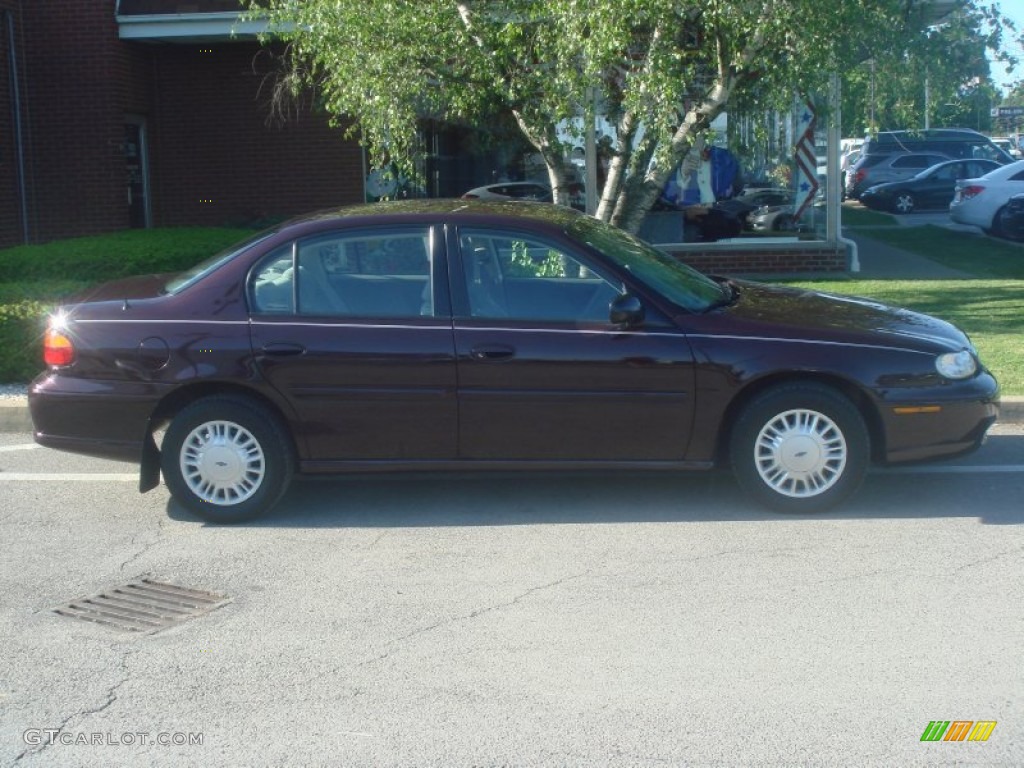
(660, 70)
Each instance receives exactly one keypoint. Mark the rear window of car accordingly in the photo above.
(916, 161)
(869, 161)
(184, 279)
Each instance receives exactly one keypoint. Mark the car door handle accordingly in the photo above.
(492, 352)
(282, 349)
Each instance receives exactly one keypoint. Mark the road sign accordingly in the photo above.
(1007, 111)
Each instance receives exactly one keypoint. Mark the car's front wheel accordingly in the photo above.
(784, 223)
(226, 459)
(800, 448)
(904, 203)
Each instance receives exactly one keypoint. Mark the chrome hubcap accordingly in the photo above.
(222, 463)
(800, 453)
(904, 204)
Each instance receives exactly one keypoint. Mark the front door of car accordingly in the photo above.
(543, 374)
(354, 329)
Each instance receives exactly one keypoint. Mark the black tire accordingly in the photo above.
(249, 469)
(904, 202)
(800, 448)
(998, 229)
(783, 223)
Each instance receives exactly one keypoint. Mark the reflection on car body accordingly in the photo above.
(455, 335)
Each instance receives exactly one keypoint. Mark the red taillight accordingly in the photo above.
(971, 190)
(858, 177)
(58, 349)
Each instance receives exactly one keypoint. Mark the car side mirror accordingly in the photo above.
(626, 310)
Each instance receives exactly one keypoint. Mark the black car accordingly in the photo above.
(933, 188)
(432, 335)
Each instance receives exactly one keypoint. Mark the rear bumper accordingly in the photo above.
(94, 418)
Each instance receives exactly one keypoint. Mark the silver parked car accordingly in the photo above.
(877, 169)
(980, 201)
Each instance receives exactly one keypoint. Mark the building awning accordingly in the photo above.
(179, 21)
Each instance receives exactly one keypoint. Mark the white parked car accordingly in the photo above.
(511, 190)
(979, 201)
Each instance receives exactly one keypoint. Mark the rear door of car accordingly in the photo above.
(937, 190)
(361, 342)
(543, 375)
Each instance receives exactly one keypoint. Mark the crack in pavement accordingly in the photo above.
(146, 547)
(53, 734)
(472, 615)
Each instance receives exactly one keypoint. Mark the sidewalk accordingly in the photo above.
(881, 261)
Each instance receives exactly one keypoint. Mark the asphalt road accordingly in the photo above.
(532, 620)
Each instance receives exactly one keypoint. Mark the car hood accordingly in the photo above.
(805, 314)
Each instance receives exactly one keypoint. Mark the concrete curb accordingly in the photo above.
(14, 415)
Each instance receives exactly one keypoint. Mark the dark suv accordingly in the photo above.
(954, 143)
(877, 169)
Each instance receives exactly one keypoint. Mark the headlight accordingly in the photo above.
(956, 365)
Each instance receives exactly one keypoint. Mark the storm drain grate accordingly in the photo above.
(143, 606)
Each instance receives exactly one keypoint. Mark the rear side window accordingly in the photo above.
(382, 273)
(869, 161)
(916, 161)
(363, 274)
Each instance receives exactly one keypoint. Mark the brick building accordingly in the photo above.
(122, 113)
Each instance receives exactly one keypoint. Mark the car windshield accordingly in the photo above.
(184, 279)
(680, 284)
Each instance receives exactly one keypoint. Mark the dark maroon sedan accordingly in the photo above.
(446, 335)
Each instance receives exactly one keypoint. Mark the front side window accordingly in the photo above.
(519, 276)
(682, 285)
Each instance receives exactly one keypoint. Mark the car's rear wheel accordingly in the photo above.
(999, 224)
(226, 459)
(904, 203)
(800, 448)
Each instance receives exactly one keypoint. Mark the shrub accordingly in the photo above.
(121, 254)
(21, 338)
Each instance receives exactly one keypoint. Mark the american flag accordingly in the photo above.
(806, 163)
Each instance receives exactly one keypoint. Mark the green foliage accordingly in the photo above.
(668, 66)
(106, 257)
(21, 332)
(527, 264)
(887, 90)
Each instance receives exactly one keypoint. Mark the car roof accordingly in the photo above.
(1005, 171)
(430, 209)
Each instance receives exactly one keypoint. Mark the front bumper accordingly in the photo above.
(950, 423)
